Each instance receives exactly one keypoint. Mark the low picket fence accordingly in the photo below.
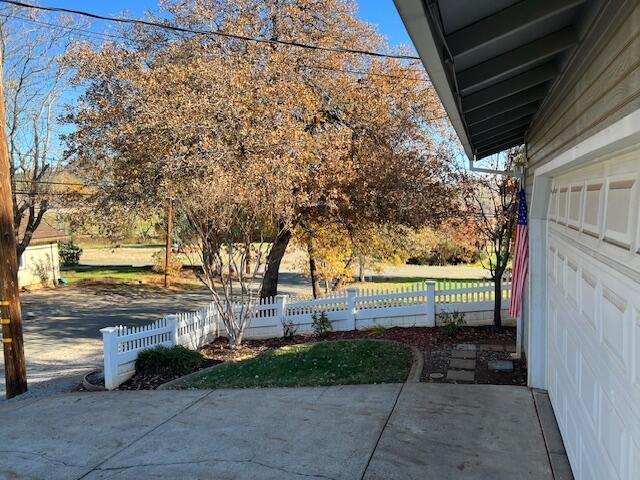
(414, 305)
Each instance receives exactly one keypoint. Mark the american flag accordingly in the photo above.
(521, 257)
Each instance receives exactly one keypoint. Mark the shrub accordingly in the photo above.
(289, 329)
(451, 322)
(69, 253)
(321, 324)
(168, 361)
(42, 270)
(159, 259)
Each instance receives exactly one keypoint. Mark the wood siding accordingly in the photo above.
(600, 85)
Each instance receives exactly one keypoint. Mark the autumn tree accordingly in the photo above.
(236, 207)
(491, 201)
(353, 136)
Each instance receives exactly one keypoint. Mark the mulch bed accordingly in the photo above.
(438, 355)
(145, 382)
(151, 382)
(435, 345)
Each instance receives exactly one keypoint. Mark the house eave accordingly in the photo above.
(429, 47)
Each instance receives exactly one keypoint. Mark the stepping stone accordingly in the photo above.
(462, 364)
(492, 348)
(501, 365)
(466, 346)
(463, 354)
(436, 375)
(461, 375)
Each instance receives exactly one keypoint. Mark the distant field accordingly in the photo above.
(131, 264)
(124, 274)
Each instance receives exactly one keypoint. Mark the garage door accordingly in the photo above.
(593, 336)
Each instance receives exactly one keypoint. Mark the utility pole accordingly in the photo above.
(168, 245)
(10, 312)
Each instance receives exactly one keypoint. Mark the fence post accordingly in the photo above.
(172, 323)
(431, 303)
(110, 350)
(281, 310)
(351, 306)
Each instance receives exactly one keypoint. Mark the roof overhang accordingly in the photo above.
(493, 62)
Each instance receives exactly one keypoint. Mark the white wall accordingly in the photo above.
(38, 259)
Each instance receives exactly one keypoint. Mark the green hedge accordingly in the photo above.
(168, 361)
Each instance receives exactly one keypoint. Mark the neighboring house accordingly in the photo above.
(39, 264)
(562, 77)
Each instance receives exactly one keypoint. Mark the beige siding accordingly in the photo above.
(39, 261)
(600, 86)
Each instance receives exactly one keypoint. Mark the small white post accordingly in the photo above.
(431, 303)
(351, 306)
(110, 351)
(172, 323)
(281, 311)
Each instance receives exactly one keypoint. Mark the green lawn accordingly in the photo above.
(393, 283)
(125, 274)
(341, 362)
(96, 273)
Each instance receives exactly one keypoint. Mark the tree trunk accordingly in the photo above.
(497, 303)
(339, 282)
(247, 259)
(361, 266)
(313, 270)
(270, 280)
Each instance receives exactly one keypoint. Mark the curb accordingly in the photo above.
(90, 387)
(172, 383)
(416, 367)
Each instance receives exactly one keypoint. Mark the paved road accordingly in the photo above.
(371, 432)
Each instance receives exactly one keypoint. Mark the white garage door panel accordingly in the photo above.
(593, 317)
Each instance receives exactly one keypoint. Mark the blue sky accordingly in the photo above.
(379, 12)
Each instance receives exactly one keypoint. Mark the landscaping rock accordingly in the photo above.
(501, 365)
(463, 354)
(462, 363)
(492, 348)
(461, 375)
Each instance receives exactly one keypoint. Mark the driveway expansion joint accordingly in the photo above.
(182, 410)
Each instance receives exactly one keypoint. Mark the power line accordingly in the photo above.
(209, 33)
(47, 182)
(81, 32)
(22, 192)
(84, 32)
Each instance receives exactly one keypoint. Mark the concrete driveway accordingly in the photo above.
(415, 431)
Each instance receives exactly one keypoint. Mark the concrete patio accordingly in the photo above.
(414, 431)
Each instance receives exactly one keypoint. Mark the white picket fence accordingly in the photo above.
(414, 305)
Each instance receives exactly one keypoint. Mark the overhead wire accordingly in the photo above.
(82, 32)
(209, 33)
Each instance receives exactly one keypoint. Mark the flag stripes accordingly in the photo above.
(520, 258)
